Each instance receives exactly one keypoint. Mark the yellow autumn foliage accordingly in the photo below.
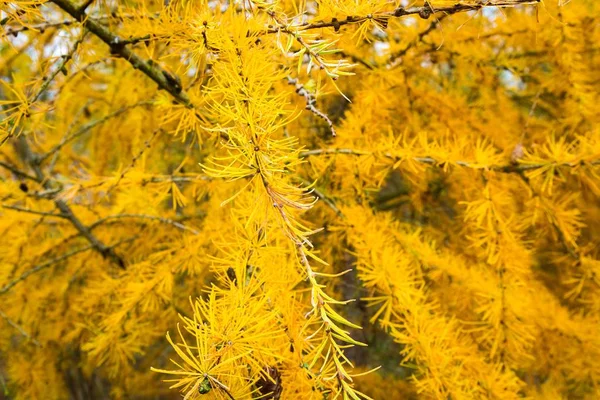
(290, 199)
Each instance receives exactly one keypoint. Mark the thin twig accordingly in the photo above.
(355, 58)
(20, 329)
(424, 12)
(65, 59)
(134, 160)
(87, 127)
(27, 210)
(318, 193)
(33, 160)
(3, 383)
(18, 172)
(310, 103)
(144, 216)
(43, 266)
(508, 168)
(561, 236)
(53, 261)
(41, 27)
(45, 194)
(66, 134)
(393, 59)
(136, 40)
(171, 178)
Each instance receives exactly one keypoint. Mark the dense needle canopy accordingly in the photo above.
(292, 199)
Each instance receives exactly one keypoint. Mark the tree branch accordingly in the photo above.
(18, 172)
(33, 160)
(507, 168)
(20, 329)
(61, 67)
(51, 262)
(41, 27)
(326, 199)
(42, 266)
(424, 12)
(27, 210)
(119, 47)
(393, 59)
(134, 160)
(310, 103)
(144, 216)
(85, 128)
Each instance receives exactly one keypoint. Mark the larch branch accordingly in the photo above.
(118, 46)
(61, 67)
(310, 103)
(32, 160)
(41, 27)
(87, 127)
(17, 171)
(20, 329)
(393, 59)
(50, 263)
(42, 266)
(167, 221)
(507, 168)
(29, 211)
(424, 12)
(326, 199)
